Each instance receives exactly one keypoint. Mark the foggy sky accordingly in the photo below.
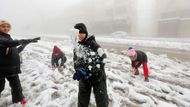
(31, 15)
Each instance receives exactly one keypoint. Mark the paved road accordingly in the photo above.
(171, 53)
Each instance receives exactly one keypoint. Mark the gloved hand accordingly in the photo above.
(24, 41)
(81, 73)
(27, 41)
(77, 75)
(101, 53)
(104, 56)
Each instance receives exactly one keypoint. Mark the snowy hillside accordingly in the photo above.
(169, 84)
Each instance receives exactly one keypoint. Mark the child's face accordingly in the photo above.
(5, 28)
(133, 58)
(81, 36)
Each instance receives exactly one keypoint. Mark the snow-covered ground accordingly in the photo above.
(169, 84)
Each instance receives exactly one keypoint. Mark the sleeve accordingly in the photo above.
(9, 43)
(63, 59)
(145, 57)
(133, 64)
(145, 69)
(21, 48)
(140, 59)
(52, 60)
(97, 47)
(138, 64)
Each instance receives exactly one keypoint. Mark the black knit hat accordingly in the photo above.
(82, 28)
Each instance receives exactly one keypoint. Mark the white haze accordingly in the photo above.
(31, 16)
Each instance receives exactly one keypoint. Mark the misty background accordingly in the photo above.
(156, 18)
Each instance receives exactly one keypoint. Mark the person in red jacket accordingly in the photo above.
(57, 55)
(138, 57)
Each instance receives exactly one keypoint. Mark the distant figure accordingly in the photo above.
(57, 55)
(10, 62)
(138, 57)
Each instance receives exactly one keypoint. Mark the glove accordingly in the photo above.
(24, 41)
(104, 56)
(101, 53)
(27, 41)
(81, 73)
(36, 39)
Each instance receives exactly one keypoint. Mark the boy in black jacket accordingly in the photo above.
(89, 67)
(10, 62)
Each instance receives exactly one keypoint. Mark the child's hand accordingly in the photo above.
(53, 68)
(136, 63)
(136, 72)
(134, 69)
(61, 68)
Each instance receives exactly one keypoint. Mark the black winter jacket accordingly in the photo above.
(86, 56)
(9, 56)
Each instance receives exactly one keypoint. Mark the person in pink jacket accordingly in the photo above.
(138, 58)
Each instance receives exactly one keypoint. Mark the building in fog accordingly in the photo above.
(109, 16)
(131, 16)
(136, 17)
(174, 18)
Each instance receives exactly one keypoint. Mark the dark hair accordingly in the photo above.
(130, 48)
(82, 28)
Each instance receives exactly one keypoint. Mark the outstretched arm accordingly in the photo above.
(13, 43)
(8, 43)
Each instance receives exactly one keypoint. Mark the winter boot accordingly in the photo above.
(146, 79)
(23, 102)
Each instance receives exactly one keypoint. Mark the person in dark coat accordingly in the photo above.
(89, 69)
(10, 62)
(138, 58)
(57, 55)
